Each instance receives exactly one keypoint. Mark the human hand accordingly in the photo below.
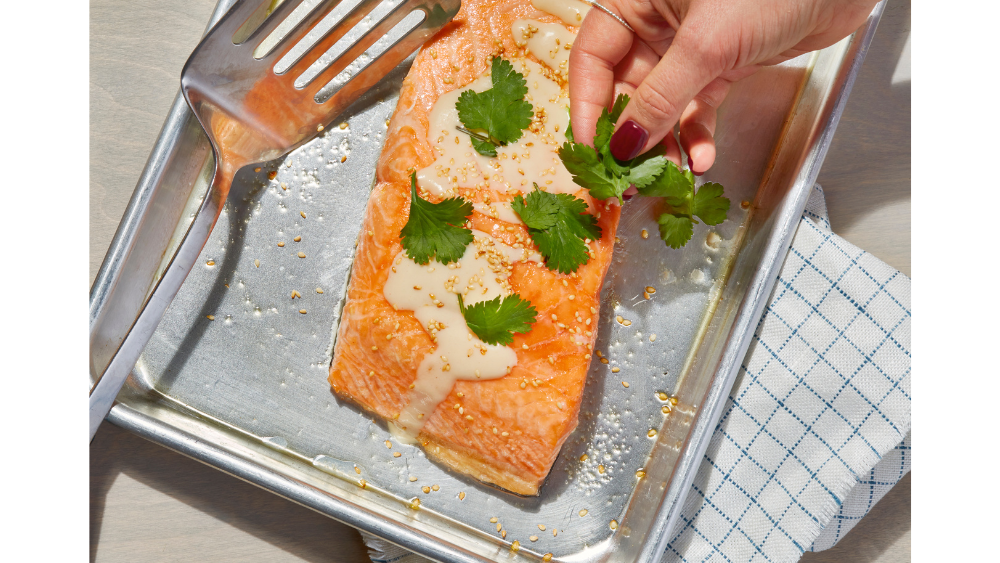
(682, 60)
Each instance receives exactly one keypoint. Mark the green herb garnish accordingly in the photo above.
(684, 204)
(559, 225)
(495, 321)
(434, 230)
(600, 172)
(496, 117)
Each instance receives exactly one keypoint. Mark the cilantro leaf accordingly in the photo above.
(644, 168)
(433, 229)
(569, 128)
(672, 184)
(675, 230)
(484, 148)
(709, 205)
(585, 165)
(495, 321)
(500, 111)
(558, 224)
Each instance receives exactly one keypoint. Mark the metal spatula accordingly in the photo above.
(262, 82)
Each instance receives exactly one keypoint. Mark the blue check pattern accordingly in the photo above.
(816, 428)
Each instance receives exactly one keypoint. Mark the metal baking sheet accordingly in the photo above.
(236, 374)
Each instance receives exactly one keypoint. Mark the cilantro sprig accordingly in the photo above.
(599, 171)
(433, 229)
(559, 225)
(496, 117)
(652, 174)
(495, 321)
(683, 204)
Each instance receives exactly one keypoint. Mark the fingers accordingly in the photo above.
(698, 122)
(599, 46)
(684, 71)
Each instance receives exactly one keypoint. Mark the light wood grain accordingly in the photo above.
(151, 504)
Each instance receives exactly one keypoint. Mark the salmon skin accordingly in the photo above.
(505, 431)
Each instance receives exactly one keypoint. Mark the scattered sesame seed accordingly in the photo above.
(541, 527)
(257, 169)
(652, 338)
(600, 469)
(281, 243)
(272, 174)
(284, 186)
(604, 361)
(503, 534)
(461, 495)
(374, 348)
(583, 512)
(357, 470)
(650, 289)
(499, 526)
(651, 433)
(303, 214)
(665, 409)
(583, 457)
(210, 263)
(644, 233)
(415, 503)
(615, 369)
(555, 532)
(673, 400)
(319, 290)
(627, 322)
(548, 556)
(614, 524)
(435, 488)
(295, 294)
(640, 473)
(319, 128)
(516, 546)
(625, 384)
(388, 444)
(745, 204)
(533, 538)
(396, 454)
(297, 239)
(303, 311)
(210, 317)
(343, 159)
(343, 125)
(412, 478)
(619, 318)
(493, 520)
(256, 263)
(426, 490)
(662, 396)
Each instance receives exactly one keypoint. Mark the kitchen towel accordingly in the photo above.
(816, 428)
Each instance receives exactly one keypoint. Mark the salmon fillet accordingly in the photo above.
(506, 431)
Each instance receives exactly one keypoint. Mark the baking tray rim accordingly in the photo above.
(748, 314)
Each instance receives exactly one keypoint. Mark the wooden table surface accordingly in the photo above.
(148, 503)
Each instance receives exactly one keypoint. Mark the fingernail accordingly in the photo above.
(628, 140)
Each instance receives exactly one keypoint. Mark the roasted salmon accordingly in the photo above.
(504, 428)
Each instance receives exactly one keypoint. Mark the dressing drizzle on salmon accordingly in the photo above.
(502, 421)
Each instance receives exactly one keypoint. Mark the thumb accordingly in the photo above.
(685, 69)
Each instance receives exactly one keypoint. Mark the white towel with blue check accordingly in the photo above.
(817, 427)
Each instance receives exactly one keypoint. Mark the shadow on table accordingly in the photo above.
(885, 526)
(868, 166)
(303, 534)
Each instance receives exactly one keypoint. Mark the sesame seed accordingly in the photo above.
(210, 317)
(257, 169)
(673, 400)
(319, 128)
(493, 520)
(362, 483)
(357, 470)
(652, 338)
(625, 384)
(284, 186)
(615, 369)
(435, 488)
(295, 294)
(541, 527)
(662, 396)
(644, 233)
(505, 434)
(319, 290)
(665, 409)
(650, 289)
(210, 263)
(600, 469)
(281, 244)
(374, 348)
(745, 204)
(303, 311)
(516, 546)
(461, 495)
(396, 454)
(614, 524)
(651, 433)
(412, 478)
(415, 503)
(583, 512)
(604, 360)
(533, 538)
(619, 318)
(548, 556)
(272, 174)
(572, 297)
(583, 457)
(503, 534)
(343, 159)
(426, 489)
(302, 254)
(343, 125)
(297, 239)
(499, 526)
(256, 263)
(555, 532)
(388, 444)
(303, 214)
(640, 473)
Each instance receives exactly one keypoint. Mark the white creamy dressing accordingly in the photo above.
(532, 158)
(570, 11)
(549, 42)
(431, 292)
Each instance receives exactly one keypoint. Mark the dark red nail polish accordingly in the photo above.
(628, 140)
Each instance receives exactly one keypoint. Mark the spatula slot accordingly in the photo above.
(407, 25)
(284, 28)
